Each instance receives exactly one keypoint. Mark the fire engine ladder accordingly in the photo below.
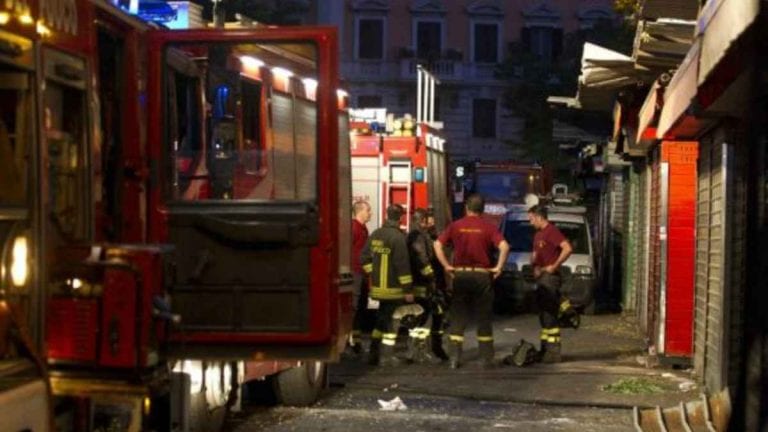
(399, 179)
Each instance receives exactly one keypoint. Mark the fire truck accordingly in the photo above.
(504, 185)
(408, 168)
(173, 217)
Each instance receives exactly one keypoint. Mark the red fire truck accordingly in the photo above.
(171, 220)
(406, 170)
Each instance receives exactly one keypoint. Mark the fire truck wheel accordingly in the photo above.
(204, 418)
(301, 385)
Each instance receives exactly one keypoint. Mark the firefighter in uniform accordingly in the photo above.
(422, 254)
(441, 297)
(550, 250)
(361, 214)
(473, 239)
(385, 259)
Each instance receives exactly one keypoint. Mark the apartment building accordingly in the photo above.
(461, 42)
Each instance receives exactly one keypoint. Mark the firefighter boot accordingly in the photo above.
(424, 353)
(485, 350)
(374, 352)
(388, 357)
(437, 347)
(455, 354)
(550, 352)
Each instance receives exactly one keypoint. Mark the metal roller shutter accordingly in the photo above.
(720, 262)
(654, 250)
(631, 241)
(642, 246)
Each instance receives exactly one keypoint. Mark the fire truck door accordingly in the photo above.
(399, 188)
(249, 182)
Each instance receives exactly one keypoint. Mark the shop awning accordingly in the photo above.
(677, 120)
(649, 115)
(680, 9)
(721, 23)
(603, 73)
(663, 43)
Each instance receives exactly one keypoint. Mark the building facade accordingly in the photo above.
(461, 42)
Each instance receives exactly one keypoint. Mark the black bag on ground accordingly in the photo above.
(524, 354)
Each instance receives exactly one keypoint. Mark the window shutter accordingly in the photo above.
(525, 38)
(557, 43)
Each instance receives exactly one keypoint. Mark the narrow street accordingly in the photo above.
(576, 395)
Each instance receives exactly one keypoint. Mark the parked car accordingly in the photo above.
(515, 287)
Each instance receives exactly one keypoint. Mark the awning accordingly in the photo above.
(603, 73)
(680, 9)
(662, 44)
(677, 120)
(721, 23)
(649, 114)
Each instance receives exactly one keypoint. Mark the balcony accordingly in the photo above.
(368, 70)
(405, 70)
(451, 71)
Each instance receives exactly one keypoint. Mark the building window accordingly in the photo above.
(429, 39)
(484, 118)
(370, 39)
(543, 41)
(369, 101)
(486, 43)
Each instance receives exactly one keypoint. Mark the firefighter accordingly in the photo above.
(550, 250)
(473, 239)
(422, 253)
(385, 258)
(440, 295)
(361, 214)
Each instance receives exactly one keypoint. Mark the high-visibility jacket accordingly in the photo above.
(422, 252)
(385, 259)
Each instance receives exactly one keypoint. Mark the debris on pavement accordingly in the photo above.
(633, 386)
(684, 384)
(395, 404)
(392, 387)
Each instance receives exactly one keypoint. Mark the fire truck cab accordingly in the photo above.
(174, 220)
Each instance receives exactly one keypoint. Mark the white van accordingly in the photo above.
(515, 287)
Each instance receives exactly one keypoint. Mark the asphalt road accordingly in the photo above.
(570, 396)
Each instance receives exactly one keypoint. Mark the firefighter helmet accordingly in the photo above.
(409, 315)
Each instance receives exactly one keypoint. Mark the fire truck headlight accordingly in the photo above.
(20, 261)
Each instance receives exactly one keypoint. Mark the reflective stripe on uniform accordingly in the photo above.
(546, 333)
(419, 333)
(389, 339)
(380, 293)
(376, 334)
(565, 305)
(405, 279)
(368, 267)
(427, 270)
(485, 338)
(384, 271)
(456, 338)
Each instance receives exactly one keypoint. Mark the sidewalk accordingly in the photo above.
(600, 361)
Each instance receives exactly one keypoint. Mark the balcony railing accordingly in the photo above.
(405, 69)
(447, 70)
